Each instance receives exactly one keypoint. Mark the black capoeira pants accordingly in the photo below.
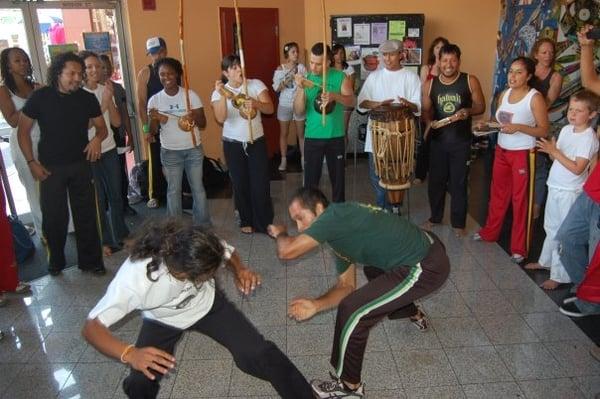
(393, 291)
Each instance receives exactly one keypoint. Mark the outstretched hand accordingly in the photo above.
(547, 146)
(301, 309)
(246, 280)
(150, 358)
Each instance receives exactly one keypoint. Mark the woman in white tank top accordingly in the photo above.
(523, 115)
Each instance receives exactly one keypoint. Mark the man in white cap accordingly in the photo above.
(148, 84)
(392, 84)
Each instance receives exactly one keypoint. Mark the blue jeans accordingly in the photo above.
(380, 192)
(107, 175)
(174, 162)
(578, 236)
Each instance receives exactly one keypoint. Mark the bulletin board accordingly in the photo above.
(361, 35)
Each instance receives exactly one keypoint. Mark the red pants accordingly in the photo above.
(8, 264)
(510, 183)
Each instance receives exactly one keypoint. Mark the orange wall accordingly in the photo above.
(203, 47)
(473, 25)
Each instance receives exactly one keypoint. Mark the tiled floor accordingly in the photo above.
(494, 333)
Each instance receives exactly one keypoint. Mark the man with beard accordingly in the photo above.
(457, 96)
(64, 111)
(324, 141)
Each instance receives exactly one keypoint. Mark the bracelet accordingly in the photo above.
(127, 349)
(145, 128)
(30, 161)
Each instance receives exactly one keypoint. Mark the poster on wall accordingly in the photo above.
(56, 49)
(378, 32)
(362, 34)
(397, 30)
(352, 55)
(413, 56)
(98, 42)
(344, 27)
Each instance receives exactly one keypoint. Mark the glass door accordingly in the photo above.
(46, 28)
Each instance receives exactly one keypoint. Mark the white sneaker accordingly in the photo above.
(477, 237)
(516, 258)
(152, 203)
(283, 164)
(22, 288)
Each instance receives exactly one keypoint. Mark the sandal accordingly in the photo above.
(420, 321)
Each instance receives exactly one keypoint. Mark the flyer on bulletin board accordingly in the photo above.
(397, 30)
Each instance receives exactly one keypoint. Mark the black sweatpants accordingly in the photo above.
(394, 290)
(333, 150)
(449, 171)
(422, 161)
(74, 180)
(249, 170)
(124, 181)
(229, 327)
(159, 183)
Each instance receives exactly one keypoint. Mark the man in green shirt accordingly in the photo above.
(324, 141)
(404, 262)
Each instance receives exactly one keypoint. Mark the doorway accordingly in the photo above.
(43, 28)
(260, 37)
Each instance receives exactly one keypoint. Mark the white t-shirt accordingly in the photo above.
(519, 112)
(236, 126)
(173, 302)
(349, 71)
(171, 136)
(384, 84)
(109, 142)
(286, 95)
(572, 145)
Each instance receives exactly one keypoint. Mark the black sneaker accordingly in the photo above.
(569, 298)
(571, 310)
(335, 389)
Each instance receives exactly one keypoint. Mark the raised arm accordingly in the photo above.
(589, 78)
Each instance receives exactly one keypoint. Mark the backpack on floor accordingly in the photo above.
(214, 175)
(22, 242)
(138, 182)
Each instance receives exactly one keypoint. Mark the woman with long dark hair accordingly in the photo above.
(17, 84)
(523, 116)
(169, 276)
(246, 156)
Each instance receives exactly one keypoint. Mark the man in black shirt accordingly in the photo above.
(457, 96)
(64, 112)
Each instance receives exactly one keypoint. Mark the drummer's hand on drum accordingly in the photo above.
(386, 102)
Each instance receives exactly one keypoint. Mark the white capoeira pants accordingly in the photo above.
(557, 207)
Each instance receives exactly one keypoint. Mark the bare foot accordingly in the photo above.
(460, 233)
(534, 266)
(247, 230)
(550, 284)
(106, 251)
(428, 225)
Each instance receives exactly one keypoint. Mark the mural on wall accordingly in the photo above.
(523, 22)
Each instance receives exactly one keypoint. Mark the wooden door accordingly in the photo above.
(260, 37)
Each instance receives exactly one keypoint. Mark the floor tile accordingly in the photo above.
(60, 348)
(459, 331)
(494, 390)
(472, 280)
(403, 335)
(529, 361)
(19, 347)
(574, 357)
(93, 380)
(507, 329)
(442, 392)
(202, 379)
(479, 364)
(527, 300)
(551, 389)
(590, 386)
(307, 339)
(491, 302)
(379, 371)
(553, 327)
(8, 371)
(446, 304)
(424, 368)
(39, 380)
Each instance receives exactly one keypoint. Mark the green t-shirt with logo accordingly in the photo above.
(359, 233)
(334, 122)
